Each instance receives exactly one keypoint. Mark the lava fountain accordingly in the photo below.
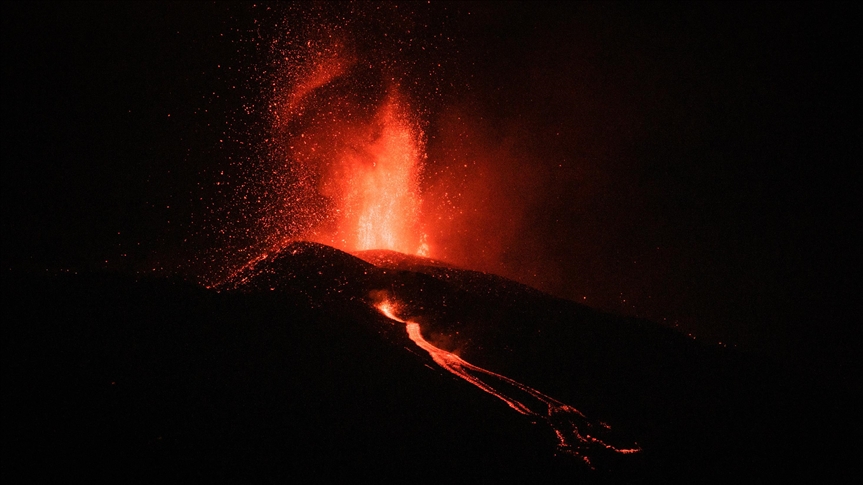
(354, 144)
(376, 185)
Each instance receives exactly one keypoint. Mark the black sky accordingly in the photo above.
(698, 161)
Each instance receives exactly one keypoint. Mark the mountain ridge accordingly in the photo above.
(290, 365)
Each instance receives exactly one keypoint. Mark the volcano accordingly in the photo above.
(301, 364)
(685, 172)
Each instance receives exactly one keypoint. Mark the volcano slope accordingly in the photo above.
(288, 369)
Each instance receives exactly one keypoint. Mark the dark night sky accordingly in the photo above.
(697, 161)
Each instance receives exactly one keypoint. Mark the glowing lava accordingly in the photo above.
(352, 142)
(575, 433)
(378, 191)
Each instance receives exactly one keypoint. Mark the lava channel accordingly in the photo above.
(576, 435)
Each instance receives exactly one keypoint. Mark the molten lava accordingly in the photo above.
(377, 185)
(576, 435)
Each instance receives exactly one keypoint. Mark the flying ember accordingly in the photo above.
(355, 148)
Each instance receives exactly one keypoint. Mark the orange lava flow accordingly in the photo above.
(572, 428)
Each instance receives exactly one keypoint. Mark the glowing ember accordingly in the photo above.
(575, 433)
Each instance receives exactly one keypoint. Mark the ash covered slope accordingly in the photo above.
(695, 409)
(290, 370)
(162, 381)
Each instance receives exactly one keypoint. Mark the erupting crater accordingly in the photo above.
(347, 134)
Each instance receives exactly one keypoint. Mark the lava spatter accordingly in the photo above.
(358, 145)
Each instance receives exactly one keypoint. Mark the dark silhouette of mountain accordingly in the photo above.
(287, 370)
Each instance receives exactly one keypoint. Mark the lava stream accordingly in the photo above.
(570, 426)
